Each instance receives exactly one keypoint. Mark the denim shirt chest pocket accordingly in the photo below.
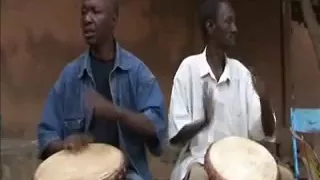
(74, 119)
(73, 124)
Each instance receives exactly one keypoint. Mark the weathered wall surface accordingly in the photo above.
(37, 39)
(305, 72)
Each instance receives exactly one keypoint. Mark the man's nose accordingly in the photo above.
(88, 17)
(234, 28)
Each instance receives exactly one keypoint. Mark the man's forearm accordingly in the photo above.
(138, 122)
(187, 133)
(268, 121)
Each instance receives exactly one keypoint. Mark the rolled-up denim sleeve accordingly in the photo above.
(50, 126)
(151, 103)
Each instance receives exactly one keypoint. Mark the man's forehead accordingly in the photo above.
(101, 3)
(225, 9)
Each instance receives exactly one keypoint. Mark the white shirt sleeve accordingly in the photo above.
(179, 109)
(254, 115)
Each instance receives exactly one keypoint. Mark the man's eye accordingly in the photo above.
(84, 11)
(95, 11)
(229, 21)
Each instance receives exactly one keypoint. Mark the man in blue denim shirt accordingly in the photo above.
(106, 92)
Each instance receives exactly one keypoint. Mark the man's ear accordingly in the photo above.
(115, 19)
(210, 26)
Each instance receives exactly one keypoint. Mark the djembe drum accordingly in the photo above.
(236, 158)
(96, 162)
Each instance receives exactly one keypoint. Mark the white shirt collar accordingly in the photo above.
(205, 68)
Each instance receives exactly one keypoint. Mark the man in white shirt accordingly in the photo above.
(214, 96)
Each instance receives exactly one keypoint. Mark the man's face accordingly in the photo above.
(225, 29)
(98, 21)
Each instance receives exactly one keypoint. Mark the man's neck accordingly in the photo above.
(216, 59)
(105, 51)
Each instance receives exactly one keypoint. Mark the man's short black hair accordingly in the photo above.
(208, 10)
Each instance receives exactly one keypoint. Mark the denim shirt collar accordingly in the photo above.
(120, 62)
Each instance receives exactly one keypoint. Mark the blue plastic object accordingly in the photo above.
(306, 120)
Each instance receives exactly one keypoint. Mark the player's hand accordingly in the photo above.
(77, 142)
(102, 107)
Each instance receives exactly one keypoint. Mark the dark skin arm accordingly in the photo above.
(268, 122)
(138, 122)
(187, 133)
(191, 130)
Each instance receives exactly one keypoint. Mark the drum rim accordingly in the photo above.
(102, 176)
(212, 172)
(114, 174)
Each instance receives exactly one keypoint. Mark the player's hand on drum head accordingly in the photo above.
(77, 142)
(101, 106)
(207, 103)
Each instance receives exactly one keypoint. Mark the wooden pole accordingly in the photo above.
(313, 26)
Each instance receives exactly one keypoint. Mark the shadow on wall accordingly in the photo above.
(28, 70)
(44, 56)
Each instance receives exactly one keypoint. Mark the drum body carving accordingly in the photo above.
(96, 162)
(236, 158)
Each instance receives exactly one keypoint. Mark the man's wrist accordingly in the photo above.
(120, 114)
